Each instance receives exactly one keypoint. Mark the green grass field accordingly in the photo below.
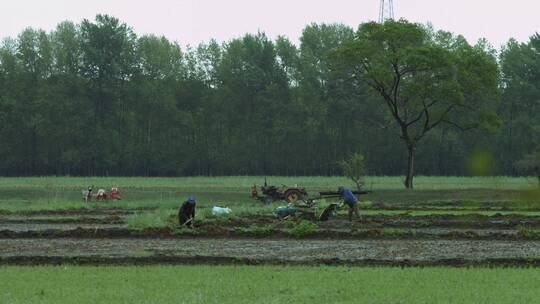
(269, 284)
(243, 182)
(266, 284)
(58, 193)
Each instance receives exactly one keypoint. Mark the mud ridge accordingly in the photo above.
(114, 219)
(80, 211)
(167, 233)
(217, 260)
(473, 221)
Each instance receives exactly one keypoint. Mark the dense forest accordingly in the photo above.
(96, 99)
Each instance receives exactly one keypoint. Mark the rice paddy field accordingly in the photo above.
(450, 240)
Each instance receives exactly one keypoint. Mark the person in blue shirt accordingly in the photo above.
(186, 213)
(350, 199)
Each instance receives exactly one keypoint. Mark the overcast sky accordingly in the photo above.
(194, 21)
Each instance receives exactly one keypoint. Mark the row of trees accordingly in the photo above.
(95, 99)
(521, 104)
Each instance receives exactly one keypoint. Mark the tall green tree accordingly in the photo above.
(93, 98)
(207, 146)
(520, 66)
(530, 163)
(35, 58)
(154, 119)
(325, 117)
(64, 102)
(254, 95)
(108, 64)
(422, 81)
(10, 117)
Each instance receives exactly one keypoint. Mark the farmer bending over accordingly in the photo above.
(186, 214)
(350, 199)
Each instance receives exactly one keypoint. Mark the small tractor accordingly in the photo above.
(274, 193)
(306, 207)
(102, 195)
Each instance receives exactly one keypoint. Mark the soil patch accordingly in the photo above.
(23, 227)
(80, 212)
(281, 251)
(107, 231)
(55, 219)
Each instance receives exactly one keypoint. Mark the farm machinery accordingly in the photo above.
(298, 199)
(331, 210)
(292, 195)
(101, 194)
(276, 193)
(306, 208)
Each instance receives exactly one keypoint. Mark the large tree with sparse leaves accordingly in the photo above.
(422, 78)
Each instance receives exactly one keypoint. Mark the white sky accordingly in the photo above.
(194, 21)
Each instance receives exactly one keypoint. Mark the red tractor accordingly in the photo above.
(102, 195)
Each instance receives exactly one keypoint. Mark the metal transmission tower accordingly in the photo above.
(387, 10)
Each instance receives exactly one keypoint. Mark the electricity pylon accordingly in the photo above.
(386, 11)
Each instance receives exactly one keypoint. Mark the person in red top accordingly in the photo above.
(254, 193)
(115, 193)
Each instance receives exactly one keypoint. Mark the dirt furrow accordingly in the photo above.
(21, 227)
(383, 252)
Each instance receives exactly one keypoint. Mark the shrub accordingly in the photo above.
(365, 205)
(527, 233)
(303, 228)
(155, 219)
(355, 169)
(287, 224)
(395, 232)
(257, 230)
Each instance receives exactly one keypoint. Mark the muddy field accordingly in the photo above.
(257, 251)
(104, 237)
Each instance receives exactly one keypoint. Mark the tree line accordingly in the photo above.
(96, 99)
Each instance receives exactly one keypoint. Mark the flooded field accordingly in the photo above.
(103, 237)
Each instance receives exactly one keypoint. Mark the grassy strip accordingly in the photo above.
(266, 284)
(166, 216)
(244, 182)
(64, 193)
(239, 209)
(155, 219)
(447, 212)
